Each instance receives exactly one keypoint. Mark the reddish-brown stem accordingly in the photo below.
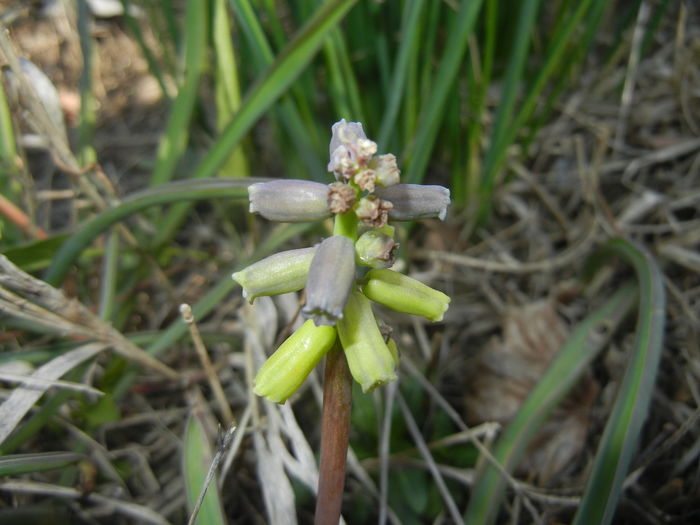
(335, 427)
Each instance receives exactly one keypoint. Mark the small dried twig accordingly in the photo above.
(67, 315)
(214, 383)
(29, 381)
(568, 256)
(631, 74)
(21, 219)
(427, 456)
(140, 513)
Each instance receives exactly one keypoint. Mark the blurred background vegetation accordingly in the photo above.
(129, 133)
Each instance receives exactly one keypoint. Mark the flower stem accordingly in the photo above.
(346, 224)
(335, 427)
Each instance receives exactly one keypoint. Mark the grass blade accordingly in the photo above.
(422, 144)
(577, 353)
(336, 46)
(301, 131)
(286, 68)
(86, 128)
(196, 459)
(511, 83)
(174, 141)
(108, 281)
(36, 422)
(19, 464)
(399, 78)
(186, 190)
(153, 65)
(622, 431)
(481, 79)
(228, 96)
(22, 399)
(8, 148)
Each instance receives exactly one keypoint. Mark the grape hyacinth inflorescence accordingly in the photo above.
(365, 197)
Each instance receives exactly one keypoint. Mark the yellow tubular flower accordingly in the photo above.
(405, 294)
(286, 369)
(371, 362)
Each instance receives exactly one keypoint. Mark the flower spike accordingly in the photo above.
(364, 199)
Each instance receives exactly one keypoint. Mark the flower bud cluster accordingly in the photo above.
(366, 195)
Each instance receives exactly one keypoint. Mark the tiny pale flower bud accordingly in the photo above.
(350, 150)
(344, 133)
(289, 200)
(365, 180)
(386, 171)
(341, 197)
(405, 294)
(415, 201)
(365, 148)
(286, 369)
(373, 211)
(376, 249)
(342, 163)
(370, 360)
(331, 275)
(280, 273)
(345, 155)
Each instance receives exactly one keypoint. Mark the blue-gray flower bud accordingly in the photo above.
(415, 201)
(289, 200)
(331, 276)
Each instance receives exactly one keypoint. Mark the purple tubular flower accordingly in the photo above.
(415, 201)
(289, 200)
(331, 275)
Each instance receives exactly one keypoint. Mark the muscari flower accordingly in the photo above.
(386, 171)
(371, 362)
(331, 275)
(285, 371)
(405, 294)
(373, 211)
(416, 201)
(289, 200)
(376, 249)
(338, 305)
(280, 273)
